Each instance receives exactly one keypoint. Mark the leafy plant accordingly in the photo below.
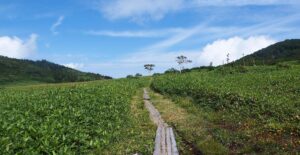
(79, 118)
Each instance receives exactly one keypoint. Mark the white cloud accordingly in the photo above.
(136, 34)
(56, 25)
(204, 32)
(236, 46)
(176, 38)
(214, 52)
(139, 9)
(17, 48)
(241, 2)
(159, 58)
(74, 65)
(134, 63)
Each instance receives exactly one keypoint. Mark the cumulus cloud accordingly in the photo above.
(213, 52)
(139, 9)
(56, 25)
(236, 47)
(17, 48)
(74, 65)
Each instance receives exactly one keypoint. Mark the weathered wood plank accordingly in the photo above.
(157, 150)
(165, 143)
(168, 139)
(174, 146)
(146, 95)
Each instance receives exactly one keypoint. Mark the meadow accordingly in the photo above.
(75, 118)
(223, 110)
(247, 109)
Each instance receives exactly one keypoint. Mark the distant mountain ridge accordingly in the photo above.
(17, 70)
(288, 50)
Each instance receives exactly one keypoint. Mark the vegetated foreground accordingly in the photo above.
(249, 109)
(80, 118)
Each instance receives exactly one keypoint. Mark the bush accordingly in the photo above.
(172, 70)
(138, 75)
(241, 69)
(283, 66)
(129, 76)
(156, 74)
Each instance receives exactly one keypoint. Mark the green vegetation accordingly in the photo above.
(243, 107)
(192, 130)
(251, 109)
(15, 71)
(78, 118)
(288, 50)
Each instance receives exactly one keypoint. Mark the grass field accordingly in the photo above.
(226, 110)
(76, 118)
(248, 109)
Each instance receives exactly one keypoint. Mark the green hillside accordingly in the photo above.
(27, 71)
(253, 111)
(288, 50)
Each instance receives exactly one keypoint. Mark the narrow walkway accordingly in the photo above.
(165, 143)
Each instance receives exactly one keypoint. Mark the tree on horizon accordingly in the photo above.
(181, 60)
(149, 67)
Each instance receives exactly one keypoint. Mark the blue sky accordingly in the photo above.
(117, 37)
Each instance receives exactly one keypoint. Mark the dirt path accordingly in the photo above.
(165, 143)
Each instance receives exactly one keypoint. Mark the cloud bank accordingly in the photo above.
(215, 52)
(236, 47)
(15, 47)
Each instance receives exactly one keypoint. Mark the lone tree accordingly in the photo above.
(181, 60)
(138, 75)
(243, 58)
(149, 67)
(227, 58)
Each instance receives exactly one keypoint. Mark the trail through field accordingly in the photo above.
(165, 143)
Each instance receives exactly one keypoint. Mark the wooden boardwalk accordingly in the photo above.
(165, 143)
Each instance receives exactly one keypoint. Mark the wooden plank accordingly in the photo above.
(168, 139)
(146, 95)
(174, 146)
(163, 141)
(157, 148)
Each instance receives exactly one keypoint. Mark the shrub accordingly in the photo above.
(283, 66)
